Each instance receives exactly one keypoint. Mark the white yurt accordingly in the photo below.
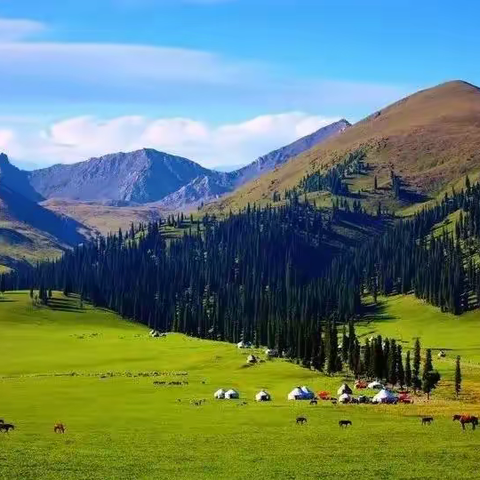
(263, 396)
(296, 394)
(307, 393)
(344, 398)
(376, 386)
(269, 352)
(385, 396)
(344, 389)
(243, 344)
(251, 359)
(232, 394)
(219, 394)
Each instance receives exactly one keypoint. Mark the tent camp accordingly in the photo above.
(231, 394)
(376, 386)
(263, 396)
(385, 396)
(243, 344)
(345, 398)
(269, 352)
(219, 394)
(344, 389)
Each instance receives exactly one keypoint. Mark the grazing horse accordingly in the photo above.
(344, 423)
(313, 402)
(6, 427)
(427, 420)
(301, 420)
(59, 428)
(463, 419)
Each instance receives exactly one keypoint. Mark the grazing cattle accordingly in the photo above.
(301, 420)
(59, 428)
(463, 419)
(6, 427)
(313, 402)
(344, 423)
(427, 420)
(2, 420)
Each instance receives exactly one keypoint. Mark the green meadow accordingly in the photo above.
(95, 373)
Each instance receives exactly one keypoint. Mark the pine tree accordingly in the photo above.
(408, 371)
(417, 358)
(400, 369)
(458, 376)
(430, 377)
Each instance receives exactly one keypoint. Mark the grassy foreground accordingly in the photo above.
(88, 369)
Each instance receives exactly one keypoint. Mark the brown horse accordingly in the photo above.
(463, 419)
(59, 428)
(6, 427)
(301, 420)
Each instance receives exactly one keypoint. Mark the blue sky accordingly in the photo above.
(220, 81)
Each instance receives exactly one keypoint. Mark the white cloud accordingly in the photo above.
(18, 29)
(79, 138)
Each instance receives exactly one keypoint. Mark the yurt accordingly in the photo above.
(307, 393)
(263, 396)
(219, 394)
(241, 344)
(344, 389)
(375, 386)
(385, 396)
(231, 394)
(344, 398)
(296, 394)
(251, 359)
(269, 352)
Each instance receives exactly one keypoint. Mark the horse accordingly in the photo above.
(301, 420)
(313, 402)
(6, 427)
(344, 423)
(427, 420)
(59, 428)
(463, 419)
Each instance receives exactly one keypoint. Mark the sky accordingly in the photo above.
(218, 81)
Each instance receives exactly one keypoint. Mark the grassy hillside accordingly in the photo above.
(431, 139)
(93, 371)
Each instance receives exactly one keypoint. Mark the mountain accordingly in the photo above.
(137, 177)
(16, 179)
(274, 159)
(430, 140)
(216, 184)
(148, 176)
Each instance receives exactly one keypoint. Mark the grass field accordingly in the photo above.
(88, 369)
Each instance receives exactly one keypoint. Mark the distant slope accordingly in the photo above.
(104, 219)
(430, 139)
(16, 179)
(29, 232)
(139, 177)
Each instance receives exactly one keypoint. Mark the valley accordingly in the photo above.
(93, 371)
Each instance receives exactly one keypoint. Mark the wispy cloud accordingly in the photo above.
(103, 73)
(79, 138)
(19, 29)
